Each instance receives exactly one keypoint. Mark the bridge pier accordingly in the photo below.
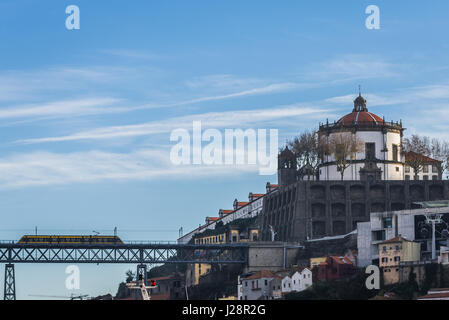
(10, 283)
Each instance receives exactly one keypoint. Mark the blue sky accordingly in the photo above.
(86, 115)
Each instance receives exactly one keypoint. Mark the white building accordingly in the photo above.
(297, 281)
(409, 224)
(429, 170)
(262, 285)
(251, 208)
(381, 157)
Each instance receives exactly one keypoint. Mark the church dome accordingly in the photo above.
(360, 118)
(360, 115)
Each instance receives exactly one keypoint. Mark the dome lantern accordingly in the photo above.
(360, 103)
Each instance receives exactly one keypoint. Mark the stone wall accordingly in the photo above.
(270, 256)
(314, 209)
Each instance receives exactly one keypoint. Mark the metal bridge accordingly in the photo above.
(130, 253)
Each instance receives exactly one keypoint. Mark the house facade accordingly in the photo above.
(335, 268)
(392, 253)
(259, 286)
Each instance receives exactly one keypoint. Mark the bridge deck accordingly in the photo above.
(142, 253)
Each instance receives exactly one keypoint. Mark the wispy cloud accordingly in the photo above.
(416, 95)
(62, 108)
(352, 67)
(46, 168)
(230, 119)
(17, 85)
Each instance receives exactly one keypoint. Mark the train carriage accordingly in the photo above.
(66, 239)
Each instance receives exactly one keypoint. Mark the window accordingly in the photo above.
(396, 248)
(387, 222)
(425, 168)
(379, 235)
(425, 177)
(370, 151)
(397, 169)
(395, 152)
(407, 177)
(434, 177)
(266, 282)
(407, 169)
(434, 168)
(384, 249)
(416, 178)
(397, 259)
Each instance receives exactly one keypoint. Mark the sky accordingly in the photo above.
(86, 115)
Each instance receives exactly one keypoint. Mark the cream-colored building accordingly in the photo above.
(314, 262)
(394, 251)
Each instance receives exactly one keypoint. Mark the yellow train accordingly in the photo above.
(41, 239)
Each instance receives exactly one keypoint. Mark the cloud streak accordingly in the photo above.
(230, 119)
(62, 108)
(46, 168)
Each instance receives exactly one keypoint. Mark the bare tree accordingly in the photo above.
(306, 148)
(439, 150)
(416, 151)
(130, 276)
(343, 146)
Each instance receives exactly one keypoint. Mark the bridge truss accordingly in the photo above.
(140, 254)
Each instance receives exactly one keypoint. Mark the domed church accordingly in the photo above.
(380, 156)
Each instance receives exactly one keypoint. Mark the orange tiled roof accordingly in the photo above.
(258, 195)
(341, 260)
(226, 211)
(263, 274)
(411, 154)
(213, 218)
(241, 204)
(396, 239)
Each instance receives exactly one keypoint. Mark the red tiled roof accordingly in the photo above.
(213, 218)
(257, 195)
(423, 158)
(263, 274)
(396, 239)
(341, 260)
(241, 204)
(226, 211)
(361, 117)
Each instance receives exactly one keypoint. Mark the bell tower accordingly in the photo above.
(287, 167)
